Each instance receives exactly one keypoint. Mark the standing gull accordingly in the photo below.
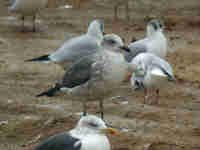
(95, 76)
(155, 42)
(77, 47)
(89, 134)
(150, 72)
(27, 8)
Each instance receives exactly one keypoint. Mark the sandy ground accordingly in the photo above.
(25, 120)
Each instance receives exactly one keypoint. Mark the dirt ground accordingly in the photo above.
(173, 124)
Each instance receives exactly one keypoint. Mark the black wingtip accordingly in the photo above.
(41, 58)
(50, 92)
(45, 94)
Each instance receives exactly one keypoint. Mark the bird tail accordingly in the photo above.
(44, 58)
(50, 92)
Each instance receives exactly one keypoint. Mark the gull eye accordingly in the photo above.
(154, 26)
(112, 42)
(92, 124)
(160, 25)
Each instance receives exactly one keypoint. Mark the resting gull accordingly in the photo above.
(150, 72)
(77, 47)
(89, 134)
(155, 42)
(95, 76)
(27, 8)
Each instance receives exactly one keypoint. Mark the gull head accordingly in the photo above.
(96, 29)
(93, 125)
(114, 43)
(154, 26)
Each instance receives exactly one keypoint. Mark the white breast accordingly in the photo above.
(100, 142)
(158, 45)
(115, 68)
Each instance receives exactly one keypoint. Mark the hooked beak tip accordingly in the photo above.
(109, 131)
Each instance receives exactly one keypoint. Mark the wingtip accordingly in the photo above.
(28, 60)
(50, 92)
(41, 94)
(39, 59)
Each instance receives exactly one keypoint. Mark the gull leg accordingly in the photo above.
(145, 95)
(127, 11)
(34, 23)
(115, 12)
(72, 106)
(101, 109)
(23, 18)
(157, 96)
(128, 77)
(79, 4)
(151, 95)
(84, 108)
(108, 123)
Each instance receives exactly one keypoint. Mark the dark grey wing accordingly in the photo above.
(135, 50)
(62, 141)
(79, 73)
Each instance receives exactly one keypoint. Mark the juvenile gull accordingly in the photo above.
(27, 8)
(93, 77)
(150, 73)
(77, 47)
(154, 42)
(89, 134)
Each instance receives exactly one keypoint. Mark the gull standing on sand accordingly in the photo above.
(27, 8)
(93, 77)
(155, 42)
(89, 134)
(150, 72)
(77, 47)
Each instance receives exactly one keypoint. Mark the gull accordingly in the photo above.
(27, 8)
(77, 47)
(150, 73)
(89, 134)
(93, 77)
(154, 42)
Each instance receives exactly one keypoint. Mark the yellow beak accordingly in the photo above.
(109, 131)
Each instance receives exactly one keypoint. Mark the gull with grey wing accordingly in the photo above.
(154, 42)
(150, 72)
(93, 77)
(77, 47)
